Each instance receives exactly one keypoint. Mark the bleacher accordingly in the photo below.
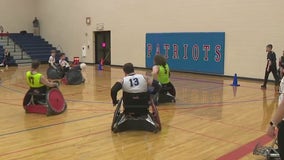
(35, 46)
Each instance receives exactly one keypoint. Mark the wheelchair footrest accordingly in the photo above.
(268, 152)
(36, 108)
(144, 122)
(164, 98)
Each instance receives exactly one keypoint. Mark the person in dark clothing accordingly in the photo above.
(6, 58)
(270, 66)
(281, 66)
(36, 27)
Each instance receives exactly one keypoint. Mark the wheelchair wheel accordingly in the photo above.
(54, 73)
(55, 101)
(115, 117)
(26, 100)
(156, 116)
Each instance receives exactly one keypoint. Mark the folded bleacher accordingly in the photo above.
(1, 53)
(35, 46)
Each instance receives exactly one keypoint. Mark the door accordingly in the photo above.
(102, 47)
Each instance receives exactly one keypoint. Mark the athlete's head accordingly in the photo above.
(160, 60)
(269, 48)
(53, 53)
(35, 64)
(62, 56)
(128, 68)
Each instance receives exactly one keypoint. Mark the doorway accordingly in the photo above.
(102, 47)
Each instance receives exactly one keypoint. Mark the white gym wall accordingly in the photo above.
(17, 15)
(249, 26)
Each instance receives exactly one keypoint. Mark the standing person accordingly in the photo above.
(161, 72)
(281, 66)
(36, 27)
(271, 66)
(277, 121)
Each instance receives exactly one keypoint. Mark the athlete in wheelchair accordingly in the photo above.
(43, 96)
(54, 70)
(161, 72)
(135, 102)
(73, 75)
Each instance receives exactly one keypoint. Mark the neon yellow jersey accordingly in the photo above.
(34, 80)
(164, 74)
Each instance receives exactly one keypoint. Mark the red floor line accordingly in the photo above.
(51, 143)
(245, 149)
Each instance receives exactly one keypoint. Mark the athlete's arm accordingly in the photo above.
(268, 64)
(155, 71)
(278, 116)
(45, 81)
(115, 88)
(154, 83)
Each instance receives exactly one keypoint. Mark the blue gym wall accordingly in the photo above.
(201, 52)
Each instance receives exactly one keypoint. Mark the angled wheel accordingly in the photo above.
(156, 115)
(115, 117)
(26, 100)
(54, 73)
(55, 101)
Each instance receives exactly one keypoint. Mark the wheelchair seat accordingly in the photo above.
(50, 102)
(136, 114)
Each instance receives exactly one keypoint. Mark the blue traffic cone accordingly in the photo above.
(235, 81)
(100, 67)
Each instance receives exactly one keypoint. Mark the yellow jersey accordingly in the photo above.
(34, 79)
(164, 74)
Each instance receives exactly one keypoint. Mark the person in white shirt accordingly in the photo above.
(133, 83)
(51, 60)
(63, 63)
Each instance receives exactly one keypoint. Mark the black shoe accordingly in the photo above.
(263, 87)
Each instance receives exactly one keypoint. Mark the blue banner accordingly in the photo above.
(192, 52)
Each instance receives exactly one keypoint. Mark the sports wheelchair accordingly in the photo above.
(136, 114)
(55, 73)
(269, 152)
(49, 102)
(166, 94)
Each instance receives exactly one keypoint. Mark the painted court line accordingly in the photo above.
(245, 149)
(237, 153)
(51, 143)
(51, 125)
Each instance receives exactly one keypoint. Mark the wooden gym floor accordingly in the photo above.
(209, 120)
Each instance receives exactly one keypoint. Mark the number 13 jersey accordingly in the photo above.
(135, 83)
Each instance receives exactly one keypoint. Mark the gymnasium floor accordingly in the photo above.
(210, 120)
